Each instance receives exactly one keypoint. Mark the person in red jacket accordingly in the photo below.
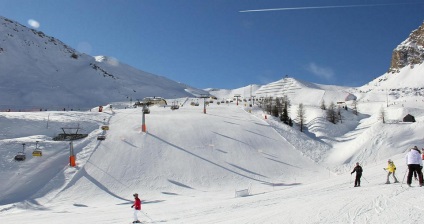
(137, 208)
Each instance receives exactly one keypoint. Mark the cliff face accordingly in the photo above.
(409, 52)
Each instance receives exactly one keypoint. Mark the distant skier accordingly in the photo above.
(414, 162)
(137, 208)
(391, 169)
(358, 170)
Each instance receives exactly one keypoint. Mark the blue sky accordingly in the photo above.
(210, 43)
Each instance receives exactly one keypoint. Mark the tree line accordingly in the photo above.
(279, 107)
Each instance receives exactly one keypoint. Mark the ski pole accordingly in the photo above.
(403, 178)
(365, 179)
(147, 216)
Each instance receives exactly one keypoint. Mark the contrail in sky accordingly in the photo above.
(325, 7)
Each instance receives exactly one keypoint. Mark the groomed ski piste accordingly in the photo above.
(230, 165)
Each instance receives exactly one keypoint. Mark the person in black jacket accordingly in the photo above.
(358, 170)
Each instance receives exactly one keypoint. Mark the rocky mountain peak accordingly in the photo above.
(409, 52)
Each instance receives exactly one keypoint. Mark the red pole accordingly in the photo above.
(72, 158)
(143, 125)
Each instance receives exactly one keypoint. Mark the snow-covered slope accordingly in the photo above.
(224, 94)
(41, 72)
(188, 166)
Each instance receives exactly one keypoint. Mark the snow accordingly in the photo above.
(188, 166)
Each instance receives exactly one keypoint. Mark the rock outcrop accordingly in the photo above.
(410, 52)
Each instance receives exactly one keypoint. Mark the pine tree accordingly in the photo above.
(284, 117)
(332, 115)
(301, 116)
(323, 105)
(383, 115)
(355, 107)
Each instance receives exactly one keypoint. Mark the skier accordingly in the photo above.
(414, 162)
(358, 170)
(137, 208)
(391, 168)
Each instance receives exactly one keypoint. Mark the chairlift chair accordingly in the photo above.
(101, 137)
(37, 150)
(105, 127)
(20, 156)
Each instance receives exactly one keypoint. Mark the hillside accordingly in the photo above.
(41, 72)
(189, 164)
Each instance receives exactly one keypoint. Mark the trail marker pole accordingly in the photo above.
(143, 121)
(71, 155)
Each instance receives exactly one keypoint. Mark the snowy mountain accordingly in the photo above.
(41, 72)
(194, 165)
(405, 77)
(296, 89)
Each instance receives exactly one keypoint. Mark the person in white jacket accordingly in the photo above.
(414, 162)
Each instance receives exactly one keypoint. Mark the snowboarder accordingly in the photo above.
(358, 170)
(137, 208)
(414, 162)
(391, 168)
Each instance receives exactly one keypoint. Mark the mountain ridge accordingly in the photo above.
(41, 71)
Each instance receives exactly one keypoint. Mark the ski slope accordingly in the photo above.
(186, 169)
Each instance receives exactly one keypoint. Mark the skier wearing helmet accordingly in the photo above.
(137, 208)
(391, 168)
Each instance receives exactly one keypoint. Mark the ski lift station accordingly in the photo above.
(154, 101)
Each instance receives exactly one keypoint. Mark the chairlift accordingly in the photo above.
(37, 150)
(101, 137)
(21, 155)
(105, 127)
(37, 153)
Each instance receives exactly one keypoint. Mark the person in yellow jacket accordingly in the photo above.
(391, 169)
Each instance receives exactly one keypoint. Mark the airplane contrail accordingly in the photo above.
(326, 7)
